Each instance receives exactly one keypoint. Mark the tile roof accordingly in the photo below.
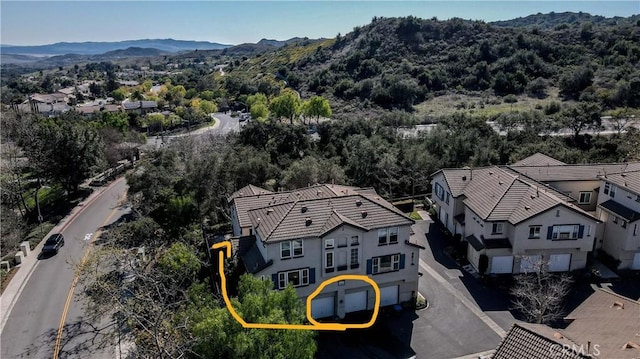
(457, 179)
(133, 105)
(538, 159)
(527, 342)
(629, 179)
(569, 172)
(253, 260)
(610, 321)
(306, 218)
(502, 194)
(475, 242)
(621, 210)
(248, 190)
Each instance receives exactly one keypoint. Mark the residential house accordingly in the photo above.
(512, 222)
(312, 234)
(605, 325)
(139, 107)
(619, 211)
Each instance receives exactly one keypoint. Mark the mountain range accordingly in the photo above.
(95, 48)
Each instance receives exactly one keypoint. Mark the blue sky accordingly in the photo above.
(44, 22)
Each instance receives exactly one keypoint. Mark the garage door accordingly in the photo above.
(389, 295)
(559, 262)
(322, 307)
(530, 264)
(636, 261)
(501, 264)
(354, 302)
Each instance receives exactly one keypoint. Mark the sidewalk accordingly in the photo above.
(25, 269)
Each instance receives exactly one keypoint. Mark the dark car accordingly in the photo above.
(53, 244)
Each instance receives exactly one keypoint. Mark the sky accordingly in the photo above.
(234, 22)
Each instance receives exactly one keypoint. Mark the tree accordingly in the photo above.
(286, 105)
(579, 117)
(574, 81)
(311, 170)
(539, 295)
(259, 111)
(316, 107)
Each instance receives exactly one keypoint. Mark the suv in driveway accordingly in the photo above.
(53, 244)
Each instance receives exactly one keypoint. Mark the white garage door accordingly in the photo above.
(559, 262)
(529, 264)
(389, 295)
(322, 307)
(501, 264)
(354, 302)
(636, 261)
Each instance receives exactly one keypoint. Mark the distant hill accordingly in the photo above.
(134, 52)
(95, 48)
(553, 19)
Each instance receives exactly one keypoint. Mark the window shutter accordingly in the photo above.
(369, 266)
(312, 275)
(401, 264)
(549, 232)
(580, 231)
(274, 278)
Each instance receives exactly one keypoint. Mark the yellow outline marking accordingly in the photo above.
(314, 324)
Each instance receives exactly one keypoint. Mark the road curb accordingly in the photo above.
(29, 264)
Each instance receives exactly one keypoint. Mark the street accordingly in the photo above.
(46, 304)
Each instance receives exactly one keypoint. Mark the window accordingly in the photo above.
(638, 198)
(496, 228)
(297, 278)
(635, 229)
(287, 246)
(585, 198)
(393, 235)
(382, 236)
(354, 240)
(565, 232)
(439, 191)
(388, 263)
(342, 242)
(448, 195)
(328, 261)
(285, 249)
(612, 193)
(624, 224)
(328, 243)
(297, 248)
(607, 186)
(534, 231)
(354, 257)
(615, 219)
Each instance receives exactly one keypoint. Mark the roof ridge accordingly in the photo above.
(392, 208)
(293, 204)
(513, 180)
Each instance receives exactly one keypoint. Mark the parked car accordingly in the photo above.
(53, 244)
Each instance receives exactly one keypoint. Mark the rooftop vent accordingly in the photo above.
(558, 335)
(364, 214)
(270, 210)
(527, 207)
(500, 183)
(490, 173)
(630, 345)
(464, 178)
(303, 209)
(358, 203)
(617, 305)
(307, 221)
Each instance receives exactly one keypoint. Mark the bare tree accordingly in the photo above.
(539, 295)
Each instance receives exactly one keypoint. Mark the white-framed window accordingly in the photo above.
(355, 240)
(448, 195)
(382, 236)
(328, 260)
(534, 232)
(612, 193)
(297, 248)
(291, 249)
(585, 198)
(388, 263)
(393, 234)
(328, 243)
(297, 278)
(439, 191)
(565, 232)
(285, 249)
(607, 187)
(497, 228)
(354, 256)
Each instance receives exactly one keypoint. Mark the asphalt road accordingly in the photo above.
(225, 125)
(32, 327)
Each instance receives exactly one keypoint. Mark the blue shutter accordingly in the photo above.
(401, 264)
(274, 278)
(369, 266)
(312, 275)
(580, 231)
(549, 232)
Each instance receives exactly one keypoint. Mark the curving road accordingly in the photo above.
(224, 125)
(48, 311)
